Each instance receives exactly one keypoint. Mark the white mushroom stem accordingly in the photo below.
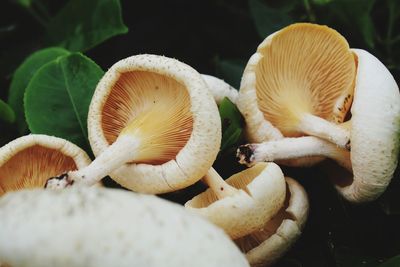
(316, 126)
(221, 188)
(290, 148)
(122, 151)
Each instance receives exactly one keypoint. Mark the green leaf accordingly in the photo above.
(232, 124)
(268, 19)
(393, 262)
(81, 25)
(321, 2)
(230, 70)
(6, 112)
(23, 3)
(356, 15)
(57, 98)
(23, 75)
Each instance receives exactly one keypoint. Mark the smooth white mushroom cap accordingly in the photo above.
(30, 160)
(95, 227)
(200, 151)
(266, 246)
(220, 89)
(375, 130)
(261, 194)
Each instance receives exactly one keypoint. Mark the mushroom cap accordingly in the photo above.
(303, 68)
(194, 159)
(107, 227)
(261, 195)
(265, 247)
(28, 161)
(220, 89)
(375, 130)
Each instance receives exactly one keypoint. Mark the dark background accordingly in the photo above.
(218, 37)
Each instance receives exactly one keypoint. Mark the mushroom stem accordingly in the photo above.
(289, 148)
(221, 188)
(316, 126)
(120, 152)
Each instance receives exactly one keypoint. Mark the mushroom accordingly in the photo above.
(263, 247)
(220, 89)
(244, 202)
(291, 149)
(28, 161)
(299, 82)
(107, 227)
(375, 130)
(153, 126)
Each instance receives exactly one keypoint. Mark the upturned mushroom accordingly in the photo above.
(28, 161)
(375, 130)
(96, 227)
(265, 246)
(299, 82)
(153, 126)
(244, 202)
(220, 89)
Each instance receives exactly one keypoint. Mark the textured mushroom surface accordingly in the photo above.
(171, 113)
(261, 194)
(375, 131)
(27, 162)
(105, 227)
(299, 75)
(220, 89)
(264, 247)
(374, 127)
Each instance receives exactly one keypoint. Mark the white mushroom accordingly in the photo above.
(264, 247)
(292, 149)
(244, 202)
(28, 161)
(153, 126)
(96, 227)
(220, 89)
(299, 82)
(374, 128)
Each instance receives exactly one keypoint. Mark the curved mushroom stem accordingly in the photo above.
(218, 185)
(120, 152)
(289, 148)
(316, 126)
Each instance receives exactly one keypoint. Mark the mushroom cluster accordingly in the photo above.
(306, 95)
(150, 132)
(154, 127)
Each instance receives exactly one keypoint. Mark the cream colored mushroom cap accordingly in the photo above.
(289, 75)
(18, 158)
(200, 151)
(290, 78)
(258, 129)
(95, 227)
(220, 89)
(261, 195)
(375, 130)
(282, 231)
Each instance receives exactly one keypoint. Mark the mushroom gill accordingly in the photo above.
(152, 107)
(305, 69)
(253, 240)
(32, 167)
(239, 181)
